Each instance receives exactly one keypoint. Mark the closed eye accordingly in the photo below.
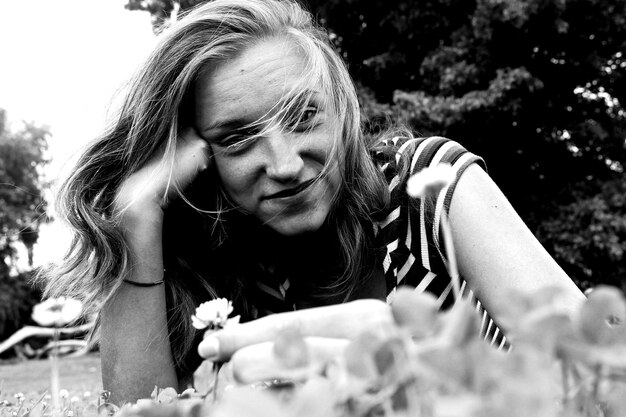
(306, 119)
(237, 142)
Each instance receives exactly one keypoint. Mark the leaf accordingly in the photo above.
(391, 360)
(155, 393)
(586, 405)
(359, 356)
(460, 324)
(543, 329)
(167, 395)
(316, 398)
(144, 402)
(248, 402)
(613, 356)
(459, 405)
(415, 312)
(204, 377)
(107, 409)
(615, 401)
(290, 348)
(188, 393)
(91, 410)
(450, 365)
(602, 317)
(517, 305)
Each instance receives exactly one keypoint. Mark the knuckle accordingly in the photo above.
(198, 147)
(239, 365)
(252, 363)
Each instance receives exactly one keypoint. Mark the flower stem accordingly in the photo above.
(565, 381)
(598, 371)
(54, 372)
(453, 270)
(216, 370)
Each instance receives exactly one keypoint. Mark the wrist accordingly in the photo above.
(142, 227)
(140, 212)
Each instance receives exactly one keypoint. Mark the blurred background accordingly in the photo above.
(536, 87)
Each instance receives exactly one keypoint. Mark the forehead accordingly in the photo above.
(249, 85)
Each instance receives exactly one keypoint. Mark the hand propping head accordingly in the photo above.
(165, 175)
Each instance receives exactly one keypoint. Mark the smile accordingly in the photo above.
(291, 191)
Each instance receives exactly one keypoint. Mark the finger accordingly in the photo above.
(259, 362)
(192, 156)
(336, 321)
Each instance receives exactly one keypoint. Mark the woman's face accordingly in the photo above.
(271, 177)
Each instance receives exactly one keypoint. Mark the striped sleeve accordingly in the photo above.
(411, 231)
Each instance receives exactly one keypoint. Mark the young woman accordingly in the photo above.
(237, 168)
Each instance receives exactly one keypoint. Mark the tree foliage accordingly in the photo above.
(17, 299)
(588, 235)
(22, 204)
(535, 87)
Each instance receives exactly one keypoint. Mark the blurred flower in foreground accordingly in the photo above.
(430, 180)
(213, 315)
(57, 312)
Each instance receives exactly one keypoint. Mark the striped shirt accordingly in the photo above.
(411, 231)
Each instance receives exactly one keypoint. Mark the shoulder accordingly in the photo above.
(398, 157)
(412, 226)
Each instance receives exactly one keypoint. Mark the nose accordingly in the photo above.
(284, 162)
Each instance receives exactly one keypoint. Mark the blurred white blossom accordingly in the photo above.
(213, 314)
(57, 312)
(430, 180)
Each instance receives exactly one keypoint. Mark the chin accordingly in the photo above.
(298, 225)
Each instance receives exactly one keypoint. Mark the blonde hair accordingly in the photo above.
(155, 110)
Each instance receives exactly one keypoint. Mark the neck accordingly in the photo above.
(270, 247)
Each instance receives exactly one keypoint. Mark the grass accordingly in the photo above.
(32, 378)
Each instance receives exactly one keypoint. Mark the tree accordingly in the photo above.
(161, 11)
(588, 236)
(22, 203)
(536, 87)
(523, 83)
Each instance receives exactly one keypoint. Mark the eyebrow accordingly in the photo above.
(225, 125)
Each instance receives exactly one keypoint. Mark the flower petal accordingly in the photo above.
(198, 323)
(430, 180)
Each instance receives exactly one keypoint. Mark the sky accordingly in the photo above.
(61, 64)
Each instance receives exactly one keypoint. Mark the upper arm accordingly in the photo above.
(496, 251)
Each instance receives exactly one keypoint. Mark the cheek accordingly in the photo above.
(321, 147)
(232, 174)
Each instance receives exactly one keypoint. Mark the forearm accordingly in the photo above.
(134, 342)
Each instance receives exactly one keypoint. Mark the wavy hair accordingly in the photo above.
(156, 108)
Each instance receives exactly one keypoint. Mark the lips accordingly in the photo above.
(291, 191)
